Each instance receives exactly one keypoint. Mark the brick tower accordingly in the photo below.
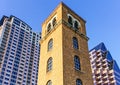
(64, 56)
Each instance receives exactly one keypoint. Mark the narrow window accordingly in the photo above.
(49, 82)
(77, 63)
(54, 22)
(49, 64)
(50, 44)
(110, 65)
(78, 82)
(49, 27)
(75, 43)
(76, 25)
(70, 20)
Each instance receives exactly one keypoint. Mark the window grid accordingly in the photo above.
(49, 64)
(50, 44)
(78, 82)
(77, 63)
(75, 43)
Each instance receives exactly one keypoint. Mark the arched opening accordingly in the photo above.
(70, 21)
(54, 22)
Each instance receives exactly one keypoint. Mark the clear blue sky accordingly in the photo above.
(102, 16)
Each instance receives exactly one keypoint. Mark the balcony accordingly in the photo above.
(105, 80)
(104, 66)
(111, 79)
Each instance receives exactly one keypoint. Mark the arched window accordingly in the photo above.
(54, 22)
(50, 44)
(76, 25)
(49, 64)
(70, 21)
(49, 82)
(48, 27)
(77, 63)
(75, 43)
(78, 82)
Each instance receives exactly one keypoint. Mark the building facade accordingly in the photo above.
(104, 68)
(64, 56)
(19, 52)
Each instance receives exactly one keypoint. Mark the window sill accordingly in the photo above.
(49, 50)
(48, 72)
(79, 71)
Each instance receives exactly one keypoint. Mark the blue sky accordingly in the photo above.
(102, 16)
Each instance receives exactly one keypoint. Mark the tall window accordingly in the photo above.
(70, 20)
(49, 27)
(76, 25)
(50, 44)
(78, 82)
(54, 22)
(49, 82)
(49, 64)
(77, 63)
(75, 43)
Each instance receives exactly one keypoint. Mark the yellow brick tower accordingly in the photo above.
(64, 58)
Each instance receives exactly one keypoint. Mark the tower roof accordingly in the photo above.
(100, 46)
(20, 20)
(115, 66)
(108, 56)
(2, 19)
(62, 4)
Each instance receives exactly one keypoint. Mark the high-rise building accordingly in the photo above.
(104, 68)
(19, 52)
(64, 55)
